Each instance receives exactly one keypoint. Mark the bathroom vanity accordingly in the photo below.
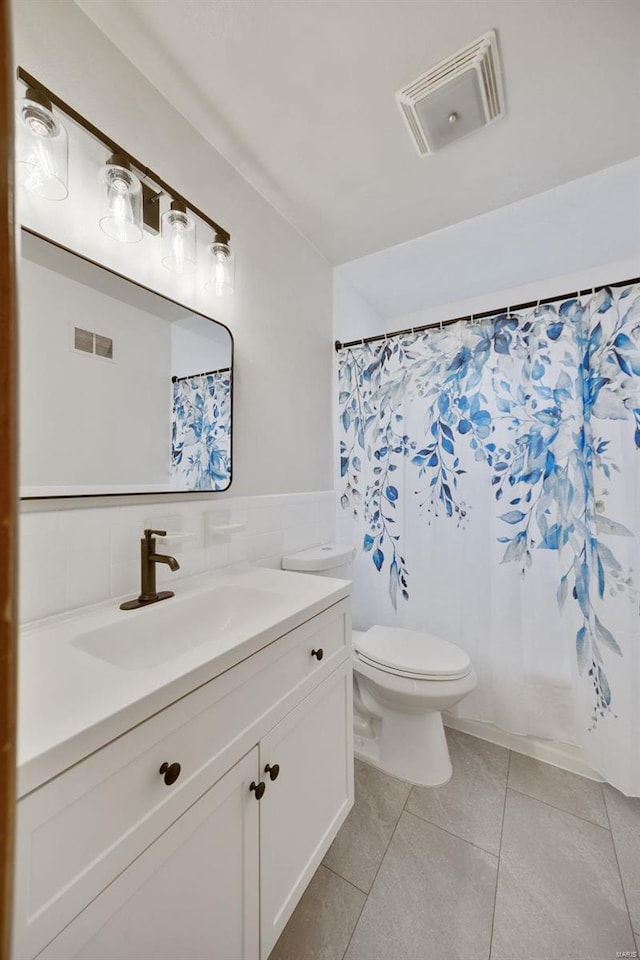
(183, 768)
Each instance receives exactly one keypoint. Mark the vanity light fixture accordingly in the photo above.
(41, 147)
(179, 239)
(130, 192)
(120, 200)
(222, 267)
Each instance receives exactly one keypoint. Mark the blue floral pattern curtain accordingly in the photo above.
(201, 432)
(490, 476)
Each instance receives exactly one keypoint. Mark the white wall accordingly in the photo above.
(352, 314)
(587, 229)
(280, 314)
(523, 293)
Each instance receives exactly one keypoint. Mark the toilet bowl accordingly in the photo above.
(404, 693)
(402, 681)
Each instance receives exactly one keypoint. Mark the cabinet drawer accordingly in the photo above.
(76, 833)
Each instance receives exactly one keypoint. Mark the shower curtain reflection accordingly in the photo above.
(201, 431)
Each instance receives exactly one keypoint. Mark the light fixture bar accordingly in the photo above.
(151, 209)
(115, 148)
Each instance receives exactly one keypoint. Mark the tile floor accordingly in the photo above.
(511, 860)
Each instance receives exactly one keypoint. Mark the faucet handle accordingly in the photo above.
(154, 533)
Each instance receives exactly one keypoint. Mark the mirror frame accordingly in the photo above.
(141, 286)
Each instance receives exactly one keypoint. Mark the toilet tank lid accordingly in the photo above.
(325, 557)
(412, 651)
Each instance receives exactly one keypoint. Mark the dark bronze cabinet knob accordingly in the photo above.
(171, 772)
(318, 654)
(273, 771)
(258, 789)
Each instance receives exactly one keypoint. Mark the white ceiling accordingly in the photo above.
(299, 96)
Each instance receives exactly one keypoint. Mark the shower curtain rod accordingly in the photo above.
(205, 373)
(479, 316)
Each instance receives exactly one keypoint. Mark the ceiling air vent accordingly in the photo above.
(456, 97)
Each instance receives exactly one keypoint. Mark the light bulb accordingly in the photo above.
(121, 201)
(37, 125)
(41, 148)
(178, 239)
(222, 270)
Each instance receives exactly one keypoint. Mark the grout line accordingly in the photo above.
(355, 924)
(615, 853)
(561, 809)
(350, 882)
(495, 894)
(456, 836)
(393, 833)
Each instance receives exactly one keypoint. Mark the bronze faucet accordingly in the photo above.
(148, 559)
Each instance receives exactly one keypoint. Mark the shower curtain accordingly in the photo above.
(490, 480)
(201, 432)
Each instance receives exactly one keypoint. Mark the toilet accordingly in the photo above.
(402, 681)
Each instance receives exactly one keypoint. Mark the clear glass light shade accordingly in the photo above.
(178, 241)
(222, 270)
(121, 203)
(42, 150)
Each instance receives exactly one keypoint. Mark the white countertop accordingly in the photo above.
(71, 703)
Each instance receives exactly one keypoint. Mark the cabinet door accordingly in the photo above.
(304, 807)
(193, 894)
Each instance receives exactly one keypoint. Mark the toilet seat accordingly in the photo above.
(412, 654)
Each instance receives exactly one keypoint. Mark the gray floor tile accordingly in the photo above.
(624, 817)
(432, 899)
(323, 921)
(357, 851)
(559, 892)
(558, 787)
(472, 803)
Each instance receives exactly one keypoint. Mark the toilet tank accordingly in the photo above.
(328, 560)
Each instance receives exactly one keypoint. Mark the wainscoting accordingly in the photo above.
(76, 556)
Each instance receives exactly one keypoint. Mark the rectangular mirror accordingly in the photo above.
(121, 390)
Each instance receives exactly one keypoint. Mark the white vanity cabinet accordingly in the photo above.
(114, 863)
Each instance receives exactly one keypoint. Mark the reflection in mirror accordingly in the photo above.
(121, 389)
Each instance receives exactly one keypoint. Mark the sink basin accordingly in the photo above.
(156, 634)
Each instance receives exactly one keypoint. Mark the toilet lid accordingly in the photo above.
(412, 652)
